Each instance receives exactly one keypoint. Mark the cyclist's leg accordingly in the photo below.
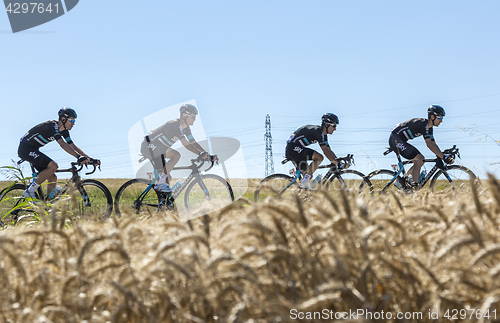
(418, 162)
(42, 163)
(52, 178)
(148, 152)
(409, 152)
(173, 157)
(300, 156)
(317, 159)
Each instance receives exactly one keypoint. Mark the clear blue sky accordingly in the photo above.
(373, 63)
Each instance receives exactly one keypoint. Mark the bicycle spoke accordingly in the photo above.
(212, 194)
(276, 186)
(14, 208)
(93, 202)
(458, 178)
(381, 178)
(130, 198)
(350, 181)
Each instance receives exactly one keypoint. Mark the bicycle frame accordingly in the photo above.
(195, 174)
(422, 182)
(75, 178)
(332, 171)
(295, 178)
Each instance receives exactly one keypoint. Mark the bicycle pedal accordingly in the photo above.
(167, 204)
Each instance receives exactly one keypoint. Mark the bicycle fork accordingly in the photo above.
(81, 190)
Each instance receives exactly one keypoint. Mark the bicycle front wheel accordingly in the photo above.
(133, 196)
(14, 207)
(93, 201)
(381, 178)
(211, 193)
(454, 177)
(350, 181)
(276, 186)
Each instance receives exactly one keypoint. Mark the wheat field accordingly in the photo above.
(276, 261)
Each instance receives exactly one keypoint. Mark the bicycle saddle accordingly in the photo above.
(388, 151)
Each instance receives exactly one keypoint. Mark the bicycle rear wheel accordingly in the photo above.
(211, 194)
(273, 186)
(380, 178)
(350, 181)
(15, 208)
(458, 178)
(130, 197)
(93, 201)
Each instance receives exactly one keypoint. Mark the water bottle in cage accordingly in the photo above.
(55, 192)
(176, 186)
(317, 179)
(422, 175)
(397, 183)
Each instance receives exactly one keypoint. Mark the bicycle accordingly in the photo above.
(138, 194)
(337, 178)
(442, 176)
(93, 197)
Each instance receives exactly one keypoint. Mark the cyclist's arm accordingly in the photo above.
(434, 147)
(330, 154)
(193, 147)
(78, 150)
(67, 148)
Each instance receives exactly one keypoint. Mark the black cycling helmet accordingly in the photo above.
(436, 110)
(67, 113)
(189, 109)
(329, 118)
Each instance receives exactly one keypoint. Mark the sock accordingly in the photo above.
(33, 187)
(163, 179)
(306, 178)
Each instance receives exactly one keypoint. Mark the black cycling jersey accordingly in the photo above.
(413, 128)
(37, 137)
(304, 136)
(166, 135)
(163, 138)
(307, 135)
(43, 133)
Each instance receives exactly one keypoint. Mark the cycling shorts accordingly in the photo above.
(34, 156)
(157, 161)
(402, 147)
(299, 155)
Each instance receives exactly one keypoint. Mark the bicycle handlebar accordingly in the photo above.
(440, 162)
(93, 162)
(452, 151)
(203, 160)
(349, 159)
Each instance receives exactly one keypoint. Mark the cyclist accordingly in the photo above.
(398, 140)
(39, 136)
(161, 140)
(299, 154)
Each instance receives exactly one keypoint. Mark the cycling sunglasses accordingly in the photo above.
(192, 116)
(333, 125)
(440, 118)
(72, 121)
